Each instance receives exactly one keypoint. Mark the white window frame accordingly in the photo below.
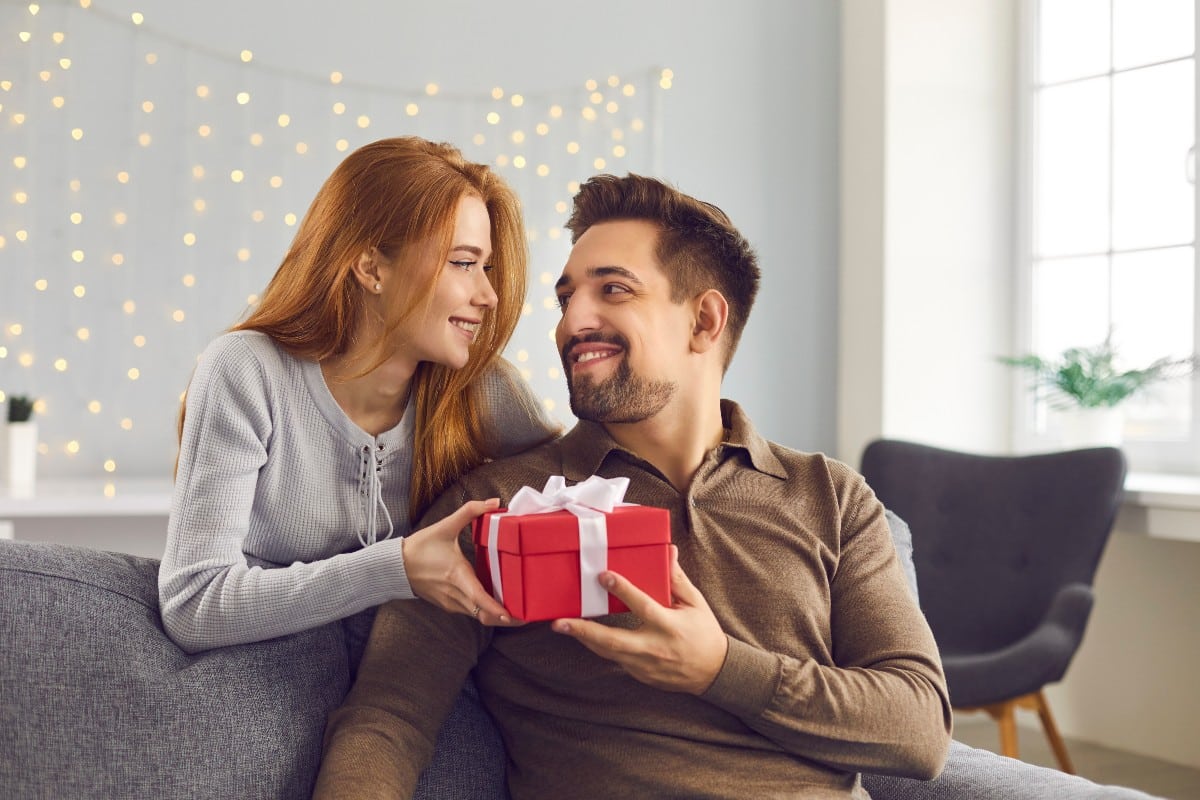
(1182, 457)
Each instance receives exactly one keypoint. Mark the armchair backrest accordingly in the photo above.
(995, 537)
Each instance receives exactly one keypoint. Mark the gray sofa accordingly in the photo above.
(97, 702)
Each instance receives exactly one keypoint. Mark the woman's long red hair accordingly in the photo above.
(396, 195)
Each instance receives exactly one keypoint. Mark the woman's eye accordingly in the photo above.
(465, 264)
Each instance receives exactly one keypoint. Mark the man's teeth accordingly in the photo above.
(466, 326)
(591, 355)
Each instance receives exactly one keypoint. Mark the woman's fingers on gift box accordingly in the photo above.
(468, 596)
(439, 572)
(465, 514)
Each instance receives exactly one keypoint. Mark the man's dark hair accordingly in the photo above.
(698, 247)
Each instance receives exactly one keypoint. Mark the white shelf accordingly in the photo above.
(89, 498)
(1161, 506)
(1164, 491)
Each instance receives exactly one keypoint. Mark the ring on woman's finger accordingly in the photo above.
(475, 613)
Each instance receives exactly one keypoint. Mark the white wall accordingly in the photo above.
(862, 229)
(1133, 682)
(927, 294)
(926, 226)
(750, 124)
(949, 191)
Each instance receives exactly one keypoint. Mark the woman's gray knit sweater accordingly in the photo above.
(285, 514)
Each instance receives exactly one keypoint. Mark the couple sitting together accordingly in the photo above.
(368, 391)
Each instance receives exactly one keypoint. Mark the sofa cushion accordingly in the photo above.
(97, 702)
(982, 775)
(902, 540)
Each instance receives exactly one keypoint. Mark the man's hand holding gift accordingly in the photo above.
(677, 649)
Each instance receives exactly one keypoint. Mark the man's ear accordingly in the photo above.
(711, 316)
(367, 270)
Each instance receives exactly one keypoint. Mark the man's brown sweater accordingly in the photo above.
(831, 668)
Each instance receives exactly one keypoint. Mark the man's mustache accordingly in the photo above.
(592, 338)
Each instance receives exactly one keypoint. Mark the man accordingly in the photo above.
(793, 655)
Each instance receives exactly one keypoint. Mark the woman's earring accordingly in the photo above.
(378, 287)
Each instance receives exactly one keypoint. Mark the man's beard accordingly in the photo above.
(620, 398)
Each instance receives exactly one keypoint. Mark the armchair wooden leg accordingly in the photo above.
(1056, 742)
(1004, 715)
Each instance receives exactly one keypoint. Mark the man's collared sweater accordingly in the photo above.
(831, 668)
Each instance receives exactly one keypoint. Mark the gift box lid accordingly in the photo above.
(557, 531)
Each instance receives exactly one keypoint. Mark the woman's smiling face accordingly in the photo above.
(443, 334)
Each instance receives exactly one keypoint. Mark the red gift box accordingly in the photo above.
(539, 559)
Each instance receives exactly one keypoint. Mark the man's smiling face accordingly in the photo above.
(622, 340)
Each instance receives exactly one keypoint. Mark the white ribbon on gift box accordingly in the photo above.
(589, 501)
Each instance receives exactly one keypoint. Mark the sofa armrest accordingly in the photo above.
(99, 703)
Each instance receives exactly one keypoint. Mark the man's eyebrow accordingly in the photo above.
(602, 272)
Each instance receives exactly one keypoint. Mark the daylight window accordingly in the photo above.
(1111, 204)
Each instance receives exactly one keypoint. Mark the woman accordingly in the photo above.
(367, 380)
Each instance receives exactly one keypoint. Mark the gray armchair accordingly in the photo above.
(1006, 549)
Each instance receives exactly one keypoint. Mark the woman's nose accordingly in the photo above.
(485, 293)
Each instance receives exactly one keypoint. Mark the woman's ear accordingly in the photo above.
(368, 270)
(711, 316)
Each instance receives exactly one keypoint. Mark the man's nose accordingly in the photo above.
(580, 315)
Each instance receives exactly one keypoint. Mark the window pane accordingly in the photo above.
(1153, 305)
(1148, 31)
(1153, 128)
(1072, 177)
(1073, 39)
(1070, 304)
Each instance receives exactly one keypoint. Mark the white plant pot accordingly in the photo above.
(22, 457)
(1092, 427)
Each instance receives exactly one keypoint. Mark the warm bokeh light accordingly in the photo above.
(176, 197)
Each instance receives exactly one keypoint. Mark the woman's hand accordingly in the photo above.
(439, 573)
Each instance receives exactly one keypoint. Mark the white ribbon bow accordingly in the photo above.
(589, 501)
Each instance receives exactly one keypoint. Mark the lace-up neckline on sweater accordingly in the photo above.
(371, 489)
(375, 454)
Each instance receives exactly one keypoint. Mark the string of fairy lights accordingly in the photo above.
(149, 186)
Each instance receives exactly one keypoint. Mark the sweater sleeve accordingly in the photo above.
(513, 417)
(882, 706)
(418, 656)
(209, 595)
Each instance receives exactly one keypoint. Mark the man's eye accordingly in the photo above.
(615, 288)
(563, 299)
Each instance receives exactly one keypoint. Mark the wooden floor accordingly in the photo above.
(1101, 764)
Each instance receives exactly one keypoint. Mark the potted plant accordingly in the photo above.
(22, 444)
(1086, 382)
(20, 408)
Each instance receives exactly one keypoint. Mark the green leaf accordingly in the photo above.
(1087, 376)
